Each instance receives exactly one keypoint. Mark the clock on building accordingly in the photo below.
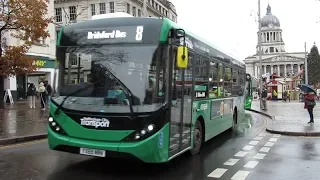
(270, 25)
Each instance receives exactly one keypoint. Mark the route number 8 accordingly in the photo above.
(139, 33)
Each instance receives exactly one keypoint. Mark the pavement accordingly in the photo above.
(290, 118)
(19, 123)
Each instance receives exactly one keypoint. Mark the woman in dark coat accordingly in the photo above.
(309, 103)
(32, 93)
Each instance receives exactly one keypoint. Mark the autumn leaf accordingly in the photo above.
(25, 20)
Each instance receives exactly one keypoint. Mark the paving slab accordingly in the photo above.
(289, 118)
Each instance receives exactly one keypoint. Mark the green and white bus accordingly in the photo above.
(143, 88)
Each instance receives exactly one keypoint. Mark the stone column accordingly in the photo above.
(265, 69)
(271, 71)
(299, 68)
(278, 66)
(291, 70)
(285, 70)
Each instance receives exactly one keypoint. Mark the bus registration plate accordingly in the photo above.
(93, 152)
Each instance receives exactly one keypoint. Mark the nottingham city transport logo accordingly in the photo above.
(95, 122)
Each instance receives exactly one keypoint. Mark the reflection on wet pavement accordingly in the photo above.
(19, 120)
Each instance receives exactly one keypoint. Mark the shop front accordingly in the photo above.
(45, 71)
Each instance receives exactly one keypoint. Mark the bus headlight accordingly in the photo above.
(55, 126)
(141, 134)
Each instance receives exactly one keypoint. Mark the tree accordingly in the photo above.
(313, 66)
(27, 21)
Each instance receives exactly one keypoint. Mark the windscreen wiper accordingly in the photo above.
(124, 86)
(73, 93)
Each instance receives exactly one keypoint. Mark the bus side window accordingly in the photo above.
(220, 80)
(201, 72)
(213, 79)
(227, 81)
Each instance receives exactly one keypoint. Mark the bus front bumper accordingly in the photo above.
(147, 150)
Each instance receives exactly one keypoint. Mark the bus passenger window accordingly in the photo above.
(213, 79)
(202, 73)
(227, 82)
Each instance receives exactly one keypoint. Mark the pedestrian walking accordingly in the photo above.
(309, 103)
(264, 96)
(31, 94)
(49, 90)
(43, 95)
(285, 96)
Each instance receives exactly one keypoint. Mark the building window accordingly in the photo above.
(271, 49)
(134, 11)
(102, 7)
(72, 13)
(111, 5)
(58, 14)
(128, 8)
(93, 9)
(40, 41)
(139, 12)
(73, 59)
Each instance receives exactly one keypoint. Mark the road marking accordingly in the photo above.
(276, 135)
(258, 138)
(264, 149)
(254, 142)
(231, 162)
(251, 164)
(241, 154)
(273, 139)
(262, 134)
(247, 147)
(259, 156)
(240, 175)
(269, 144)
(23, 144)
(217, 173)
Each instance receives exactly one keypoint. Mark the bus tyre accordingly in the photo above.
(197, 139)
(234, 121)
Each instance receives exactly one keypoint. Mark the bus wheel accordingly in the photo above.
(197, 139)
(235, 120)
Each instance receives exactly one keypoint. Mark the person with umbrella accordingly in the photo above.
(309, 100)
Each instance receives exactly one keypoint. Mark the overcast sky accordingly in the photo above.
(228, 24)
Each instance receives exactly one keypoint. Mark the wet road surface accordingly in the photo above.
(249, 154)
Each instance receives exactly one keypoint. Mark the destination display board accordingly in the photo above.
(109, 31)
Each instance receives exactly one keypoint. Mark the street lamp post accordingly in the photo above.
(260, 51)
(305, 64)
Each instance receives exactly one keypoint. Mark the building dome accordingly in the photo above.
(269, 20)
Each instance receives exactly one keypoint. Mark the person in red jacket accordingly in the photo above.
(309, 103)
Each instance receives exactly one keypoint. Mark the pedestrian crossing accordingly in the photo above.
(247, 158)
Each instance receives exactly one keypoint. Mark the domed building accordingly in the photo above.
(275, 60)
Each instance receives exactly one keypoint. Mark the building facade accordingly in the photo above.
(44, 52)
(275, 60)
(71, 11)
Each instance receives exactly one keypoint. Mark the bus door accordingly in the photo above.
(180, 117)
